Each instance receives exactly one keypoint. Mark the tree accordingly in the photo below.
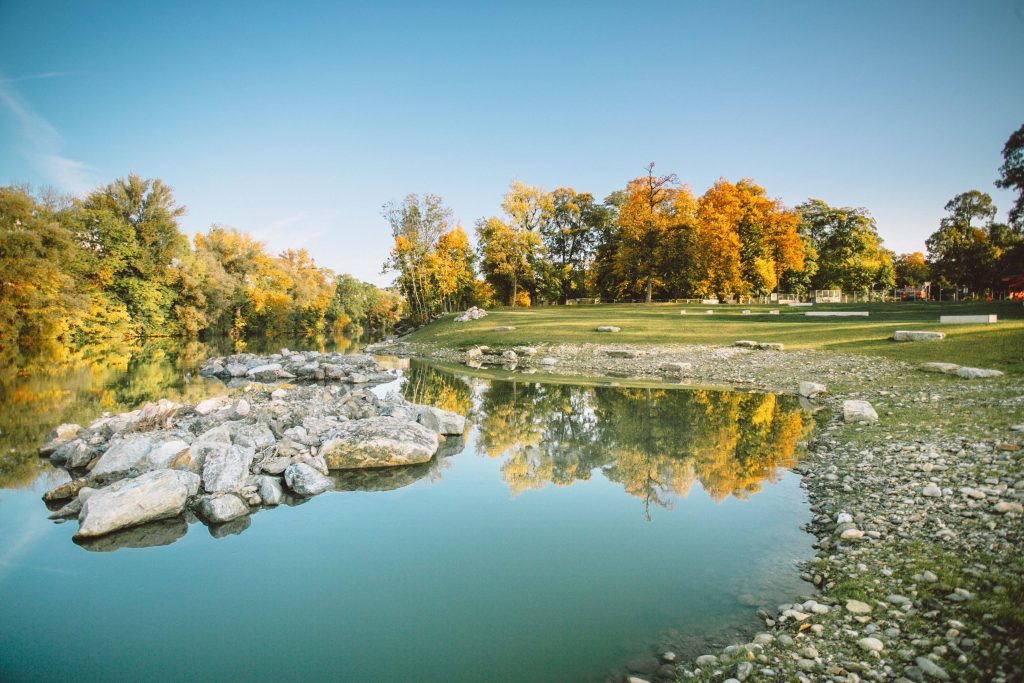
(506, 257)
(644, 219)
(452, 270)
(131, 226)
(911, 270)
(417, 224)
(41, 270)
(570, 238)
(961, 254)
(529, 209)
(849, 250)
(1011, 176)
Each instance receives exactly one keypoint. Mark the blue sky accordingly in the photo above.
(296, 121)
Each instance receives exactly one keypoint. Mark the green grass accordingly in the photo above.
(998, 346)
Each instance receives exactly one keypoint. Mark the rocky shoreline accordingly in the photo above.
(918, 574)
(138, 478)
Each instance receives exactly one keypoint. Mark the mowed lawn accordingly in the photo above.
(999, 345)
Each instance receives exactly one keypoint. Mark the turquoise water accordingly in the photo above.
(575, 528)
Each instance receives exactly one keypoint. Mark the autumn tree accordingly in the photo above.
(41, 270)
(451, 268)
(911, 270)
(645, 217)
(507, 258)
(417, 224)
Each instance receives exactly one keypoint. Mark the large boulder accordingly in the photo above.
(266, 373)
(859, 411)
(378, 442)
(441, 421)
(304, 480)
(472, 313)
(226, 468)
(140, 452)
(154, 495)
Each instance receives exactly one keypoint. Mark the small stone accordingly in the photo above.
(609, 328)
(1005, 507)
(929, 576)
(851, 534)
(932, 669)
(811, 389)
(707, 660)
(871, 644)
(931, 491)
(857, 607)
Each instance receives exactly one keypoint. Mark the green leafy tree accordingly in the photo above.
(132, 226)
(570, 238)
(961, 252)
(1011, 176)
(849, 250)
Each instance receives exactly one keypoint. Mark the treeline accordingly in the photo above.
(655, 239)
(117, 264)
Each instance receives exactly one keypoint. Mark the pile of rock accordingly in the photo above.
(472, 313)
(479, 356)
(763, 346)
(289, 365)
(226, 456)
(959, 371)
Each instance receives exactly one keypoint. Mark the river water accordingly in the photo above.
(575, 528)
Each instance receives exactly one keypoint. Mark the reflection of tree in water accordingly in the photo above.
(427, 385)
(655, 442)
(67, 384)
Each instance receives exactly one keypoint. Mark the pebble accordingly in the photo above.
(857, 607)
(931, 491)
(871, 644)
(931, 668)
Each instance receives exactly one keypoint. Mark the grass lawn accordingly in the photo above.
(998, 346)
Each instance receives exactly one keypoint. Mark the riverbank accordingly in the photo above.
(917, 516)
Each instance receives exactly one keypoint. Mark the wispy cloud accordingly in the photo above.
(40, 142)
(295, 230)
(36, 77)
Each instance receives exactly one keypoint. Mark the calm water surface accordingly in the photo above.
(574, 528)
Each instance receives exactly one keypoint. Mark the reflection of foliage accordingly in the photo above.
(654, 442)
(429, 386)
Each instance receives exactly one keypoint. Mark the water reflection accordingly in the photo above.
(655, 442)
(56, 383)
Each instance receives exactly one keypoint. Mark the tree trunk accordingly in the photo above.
(515, 288)
(650, 290)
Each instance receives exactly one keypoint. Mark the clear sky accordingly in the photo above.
(297, 121)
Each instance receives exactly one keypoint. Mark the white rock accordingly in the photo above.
(306, 481)
(1005, 507)
(811, 389)
(141, 452)
(226, 468)
(931, 668)
(151, 496)
(917, 335)
(59, 435)
(222, 507)
(608, 328)
(270, 490)
(857, 607)
(944, 368)
(977, 373)
(676, 368)
(378, 442)
(441, 421)
(870, 644)
(859, 411)
(211, 405)
(931, 491)
(851, 534)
